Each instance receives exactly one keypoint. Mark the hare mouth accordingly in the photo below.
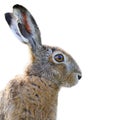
(70, 80)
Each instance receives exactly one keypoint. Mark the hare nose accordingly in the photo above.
(79, 76)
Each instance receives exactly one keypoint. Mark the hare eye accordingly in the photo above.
(59, 58)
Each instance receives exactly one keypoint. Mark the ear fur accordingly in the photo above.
(24, 26)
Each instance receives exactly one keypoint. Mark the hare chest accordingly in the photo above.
(31, 99)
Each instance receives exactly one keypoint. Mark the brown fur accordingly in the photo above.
(34, 95)
(29, 98)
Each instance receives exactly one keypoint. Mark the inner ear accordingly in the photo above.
(24, 26)
(23, 30)
(27, 25)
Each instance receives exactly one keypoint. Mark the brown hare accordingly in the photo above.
(33, 96)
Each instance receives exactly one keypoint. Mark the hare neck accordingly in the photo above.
(41, 98)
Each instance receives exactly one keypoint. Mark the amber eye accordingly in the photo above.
(59, 58)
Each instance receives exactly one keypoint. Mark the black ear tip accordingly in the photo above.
(8, 18)
(17, 6)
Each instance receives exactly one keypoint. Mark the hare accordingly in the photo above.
(34, 95)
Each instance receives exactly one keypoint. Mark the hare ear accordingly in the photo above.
(24, 26)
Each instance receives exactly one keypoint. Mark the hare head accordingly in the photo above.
(51, 63)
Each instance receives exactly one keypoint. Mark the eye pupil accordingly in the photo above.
(59, 58)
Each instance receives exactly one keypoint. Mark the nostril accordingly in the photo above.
(79, 77)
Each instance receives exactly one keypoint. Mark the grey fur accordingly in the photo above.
(34, 95)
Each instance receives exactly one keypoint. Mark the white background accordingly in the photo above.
(87, 29)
